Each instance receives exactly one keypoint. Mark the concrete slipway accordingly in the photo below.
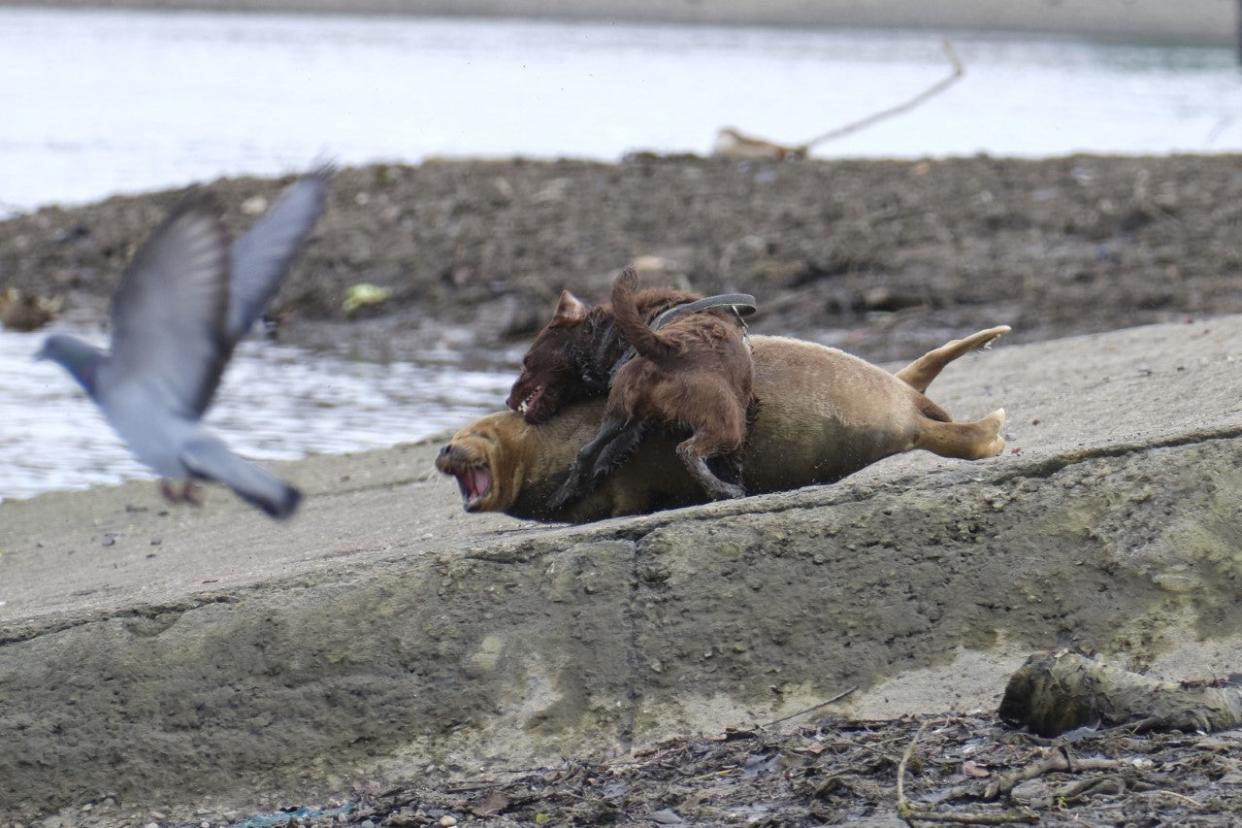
(175, 655)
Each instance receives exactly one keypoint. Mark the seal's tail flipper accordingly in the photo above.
(920, 373)
(967, 441)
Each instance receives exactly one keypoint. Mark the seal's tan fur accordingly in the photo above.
(822, 415)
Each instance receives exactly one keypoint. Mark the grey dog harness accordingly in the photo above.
(742, 305)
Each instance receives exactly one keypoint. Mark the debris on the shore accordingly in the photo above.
(256, 205)
(1056, 692)
(364, 295)
(26, 312)
(958, 769)
(733, 143)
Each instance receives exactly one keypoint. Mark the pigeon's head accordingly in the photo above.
(77, 357)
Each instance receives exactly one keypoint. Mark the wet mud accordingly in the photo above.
(885, 258)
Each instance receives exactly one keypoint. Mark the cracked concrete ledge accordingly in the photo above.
(179, 656)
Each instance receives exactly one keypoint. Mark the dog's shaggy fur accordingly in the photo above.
(822, 415)
(692, 375)
(571, 357)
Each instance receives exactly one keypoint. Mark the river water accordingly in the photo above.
(94, 103)
(276, 402)
(99, 102)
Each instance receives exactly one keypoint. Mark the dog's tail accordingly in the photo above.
(636, 331)
(920, 373)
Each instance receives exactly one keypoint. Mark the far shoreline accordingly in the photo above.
(1189, 23)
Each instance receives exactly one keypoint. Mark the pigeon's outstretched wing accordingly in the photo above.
(262, 257)
(208, 458)
(168, 314)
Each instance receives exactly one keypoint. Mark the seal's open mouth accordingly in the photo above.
(475, 482)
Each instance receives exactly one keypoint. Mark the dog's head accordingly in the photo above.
(479, 457)
(549, 374)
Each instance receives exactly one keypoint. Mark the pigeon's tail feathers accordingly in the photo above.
(210, 459)
(261, 258)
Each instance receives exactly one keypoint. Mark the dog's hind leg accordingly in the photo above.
(724, 439)
(926, 368)
(581, 480)
(967, 441)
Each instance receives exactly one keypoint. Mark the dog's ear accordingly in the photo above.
(569, 309)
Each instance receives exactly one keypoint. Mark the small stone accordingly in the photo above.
(448, 821)
(254, 205)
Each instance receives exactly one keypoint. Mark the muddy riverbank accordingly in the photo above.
(885, 258)
(391, 656)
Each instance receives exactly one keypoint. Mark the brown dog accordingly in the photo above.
(693, 374)
(572, 356)
(822, 415)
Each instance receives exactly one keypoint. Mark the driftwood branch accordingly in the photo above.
(1057, 760)
(1053, 693)
(733, 143)
(812, 708)
(910, 814)
(927, 94)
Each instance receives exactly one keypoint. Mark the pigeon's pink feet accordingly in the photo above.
(192, 493)
(189, 492)
(169, 491)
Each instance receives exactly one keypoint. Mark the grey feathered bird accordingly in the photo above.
(181, 307)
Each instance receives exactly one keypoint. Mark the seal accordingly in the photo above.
(822, 414)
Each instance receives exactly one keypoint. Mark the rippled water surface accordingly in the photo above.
(276, 402)
(149, 100)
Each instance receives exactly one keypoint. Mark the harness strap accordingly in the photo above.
(742, 305)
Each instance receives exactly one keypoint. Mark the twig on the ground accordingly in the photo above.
(909, 814)
(1162, 792)
(902, 804)
(1110, 783)
(1054, 761)
(812, 708)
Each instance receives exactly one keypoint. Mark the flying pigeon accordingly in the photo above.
(181, 307)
